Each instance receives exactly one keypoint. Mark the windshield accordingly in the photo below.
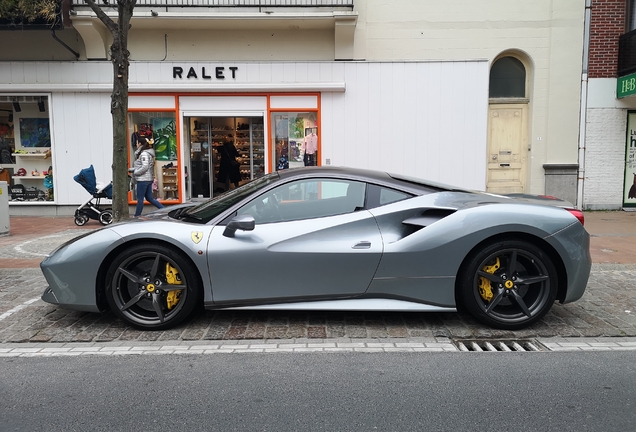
(208, 210)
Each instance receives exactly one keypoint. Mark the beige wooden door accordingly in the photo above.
(507, 148)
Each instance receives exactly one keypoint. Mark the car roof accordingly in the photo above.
(417, 186)
(333, 171)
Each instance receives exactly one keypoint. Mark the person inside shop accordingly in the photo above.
(143, 172)
(229, 171)
(310, 147)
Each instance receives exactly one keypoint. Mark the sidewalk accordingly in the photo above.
(613, 236)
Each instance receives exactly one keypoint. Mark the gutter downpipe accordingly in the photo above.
(583, 115)
(64, 44)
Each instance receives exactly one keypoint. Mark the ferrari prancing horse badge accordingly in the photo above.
(197, 236)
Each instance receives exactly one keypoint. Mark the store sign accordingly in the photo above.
(629, 189)
(626, 86)
(218, 72)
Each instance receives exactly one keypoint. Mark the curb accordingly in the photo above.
(288, 346)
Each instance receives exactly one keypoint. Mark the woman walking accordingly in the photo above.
(143, 172)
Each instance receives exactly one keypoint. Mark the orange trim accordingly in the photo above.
(268, 140)
(177, 94)
(269, 133)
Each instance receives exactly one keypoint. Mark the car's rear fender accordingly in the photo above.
(546, 247)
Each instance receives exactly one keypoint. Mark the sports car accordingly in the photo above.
(327, 238)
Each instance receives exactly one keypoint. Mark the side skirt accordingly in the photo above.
(388, 305)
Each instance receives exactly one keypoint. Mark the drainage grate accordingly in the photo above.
(500, 345)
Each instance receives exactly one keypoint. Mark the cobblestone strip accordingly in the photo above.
(285, 346)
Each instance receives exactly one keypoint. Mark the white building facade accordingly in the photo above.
(479, 95)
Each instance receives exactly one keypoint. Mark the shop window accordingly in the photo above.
(295, 139)
(25, 148)
(307, 199)
(507, 79)
(159, 129)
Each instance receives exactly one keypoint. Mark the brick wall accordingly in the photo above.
(607, 23)
(604, 159)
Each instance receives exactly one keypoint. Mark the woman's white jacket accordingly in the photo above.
(143, 168)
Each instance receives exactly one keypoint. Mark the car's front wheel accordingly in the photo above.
(508, 284)
(152, 287)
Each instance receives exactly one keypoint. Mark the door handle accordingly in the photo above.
(362, 245)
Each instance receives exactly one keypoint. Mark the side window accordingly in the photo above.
(307, 199)
(379, 195)
(388, 196)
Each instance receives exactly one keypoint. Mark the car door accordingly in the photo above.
(313, 239)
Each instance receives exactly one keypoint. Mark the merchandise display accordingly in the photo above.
(31, 177)
(225, 152)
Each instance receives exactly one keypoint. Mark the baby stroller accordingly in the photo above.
(92, 209)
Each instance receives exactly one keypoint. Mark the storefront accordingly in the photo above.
(207, 144)
(214, 131)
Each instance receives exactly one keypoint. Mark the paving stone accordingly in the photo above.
(601, 313)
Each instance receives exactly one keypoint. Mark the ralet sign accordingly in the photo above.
(219, 72)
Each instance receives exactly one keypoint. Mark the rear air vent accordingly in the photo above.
(500, 345)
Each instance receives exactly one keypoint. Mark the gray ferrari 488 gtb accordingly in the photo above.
(329, 238)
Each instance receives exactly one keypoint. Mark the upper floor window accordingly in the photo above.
(507, 78)
(630, 16)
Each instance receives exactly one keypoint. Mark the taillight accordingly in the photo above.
(578, 214)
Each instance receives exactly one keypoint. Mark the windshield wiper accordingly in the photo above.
(182, 213)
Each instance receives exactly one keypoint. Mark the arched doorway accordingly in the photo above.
(507, 126)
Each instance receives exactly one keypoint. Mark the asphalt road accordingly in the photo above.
(594, 391)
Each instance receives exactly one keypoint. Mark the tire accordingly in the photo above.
(508, 284)
(138, 287)
(81, 220)
(106, 217)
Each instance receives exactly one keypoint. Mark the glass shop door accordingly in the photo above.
(225, 152)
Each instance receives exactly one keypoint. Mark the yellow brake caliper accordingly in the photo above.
(485, 290)
(172, 277)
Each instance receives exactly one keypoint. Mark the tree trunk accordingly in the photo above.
(119, 100)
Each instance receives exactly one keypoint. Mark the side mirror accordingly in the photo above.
(243, 223)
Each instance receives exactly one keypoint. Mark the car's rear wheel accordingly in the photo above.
(152, 287)
(508, 284)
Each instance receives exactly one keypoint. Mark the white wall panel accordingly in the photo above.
(423, 119)
(157, 102)
(293, 102)
(223, 103)
(82, 129)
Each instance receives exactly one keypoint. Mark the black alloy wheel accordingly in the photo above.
(508, 285)
(152, 287)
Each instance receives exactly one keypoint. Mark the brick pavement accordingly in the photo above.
(607, 309)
